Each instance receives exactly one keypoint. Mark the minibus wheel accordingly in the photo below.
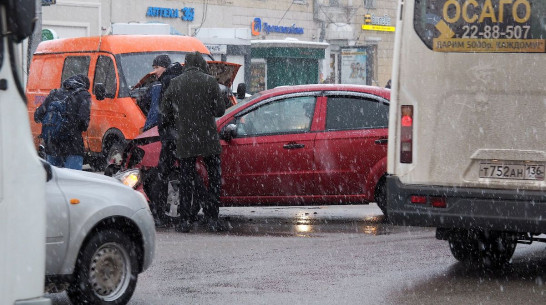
(483, 249)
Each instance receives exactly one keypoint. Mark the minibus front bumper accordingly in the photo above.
(521, 211)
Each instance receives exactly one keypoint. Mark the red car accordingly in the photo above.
(308, 144)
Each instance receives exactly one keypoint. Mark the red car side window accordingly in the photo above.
(349, 113)
(290, 115)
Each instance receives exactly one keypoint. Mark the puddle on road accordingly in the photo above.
(303, 226)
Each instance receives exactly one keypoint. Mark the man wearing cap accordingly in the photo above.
(159, 65)
(158, 193)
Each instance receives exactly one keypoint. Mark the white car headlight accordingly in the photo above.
(130, 177)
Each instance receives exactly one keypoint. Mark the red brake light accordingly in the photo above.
(438, 202)
(406, 134)
(418, 199)
(407, 121)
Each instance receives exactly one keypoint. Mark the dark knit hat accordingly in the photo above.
(162, 61)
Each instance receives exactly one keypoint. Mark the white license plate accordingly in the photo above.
(515, 171)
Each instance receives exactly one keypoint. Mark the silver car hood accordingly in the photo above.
(83, 176)
(102, 189)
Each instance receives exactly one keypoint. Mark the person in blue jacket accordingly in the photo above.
(159, 65)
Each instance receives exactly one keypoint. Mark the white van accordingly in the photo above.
(22, 177)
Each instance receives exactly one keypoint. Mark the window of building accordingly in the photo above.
(334, 2)
(369, 4)
(258, 75)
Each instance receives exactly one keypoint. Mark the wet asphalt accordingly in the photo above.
(325, 255)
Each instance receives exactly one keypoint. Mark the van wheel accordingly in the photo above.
(112, 154)
(483, 249)
(381, 195)
(106, 270)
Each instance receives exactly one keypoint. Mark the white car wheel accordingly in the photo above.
(106, 271)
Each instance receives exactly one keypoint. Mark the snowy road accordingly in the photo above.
(326, 255)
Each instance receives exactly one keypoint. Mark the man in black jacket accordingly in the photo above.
(193, 101)
(68, 150)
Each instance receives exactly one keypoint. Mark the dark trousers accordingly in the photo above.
(165, 167)
(191, 184)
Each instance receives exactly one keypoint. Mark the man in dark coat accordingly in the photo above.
(68, 152)
(193, 101)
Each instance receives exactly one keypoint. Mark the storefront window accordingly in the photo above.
(257, 77)
(331, 77)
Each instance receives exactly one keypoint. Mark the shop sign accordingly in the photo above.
(258, 27)
(48, 34)
(374, 23)
(186, 13)
(217, 48)
(48, 2)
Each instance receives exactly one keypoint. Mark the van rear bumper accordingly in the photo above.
(478, 208)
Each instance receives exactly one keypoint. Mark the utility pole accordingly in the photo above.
(36, 37)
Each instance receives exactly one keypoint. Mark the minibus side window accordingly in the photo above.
(105, 73)
(74, 65)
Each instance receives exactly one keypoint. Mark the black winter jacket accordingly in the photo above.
(193, 101)
(166, 126)
(79, 107)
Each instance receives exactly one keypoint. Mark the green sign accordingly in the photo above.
(48, 34)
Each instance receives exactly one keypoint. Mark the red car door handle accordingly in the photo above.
(381, 141)
(293, 146)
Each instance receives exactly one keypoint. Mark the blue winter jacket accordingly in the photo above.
(153, 114)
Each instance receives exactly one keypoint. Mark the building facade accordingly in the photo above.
(279, 42)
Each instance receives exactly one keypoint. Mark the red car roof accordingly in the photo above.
(379, 91)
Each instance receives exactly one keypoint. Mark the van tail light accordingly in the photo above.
(406, 134)
(418, 199)
(435, 201)
(438, 202)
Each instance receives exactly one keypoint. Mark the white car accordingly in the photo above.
(100, 236)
